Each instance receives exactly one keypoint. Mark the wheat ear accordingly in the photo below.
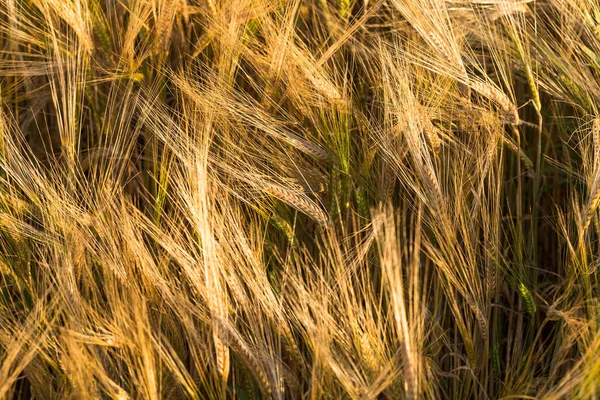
(528, 298)
(163, 25)
(596, 140)
(299, 202)
(242, 351)
(304, 145)
(223, 361)
(430, 132)
(498, 97)
(212, 8)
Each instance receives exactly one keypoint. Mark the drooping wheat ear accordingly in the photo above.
(388, 185)
(223, 361)
(430, 132)
(480, 316)
(361, 201)
(251, 27)
(203, 42)
(498, 97)
(305, 146)
(468, 342)
(453, 57)
(596, 140)
(491, 278)
(344, 8)
(290, 342)
(528, 298)
(336, 192)
(244, 353)
(483, 324)
(299, 202)
(326, 15)
(446, 51)
(519, 151)
(593, 201)
(317, 77)
(239, 293)
(285, 228)
(75, 20)
(102, 35)
(496, 362)
(464, 90)
(594, 196)
(367, 353)
(324, 87)
(247, 384)
(212, 8)
(533, 87)
(164, 24)
(433, 186)
(99, 28)
(471, 354)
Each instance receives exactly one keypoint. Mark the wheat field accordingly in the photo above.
(299, 199)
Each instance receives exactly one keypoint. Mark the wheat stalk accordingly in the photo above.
(411, 385)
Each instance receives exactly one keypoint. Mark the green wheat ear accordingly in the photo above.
(102, 35)
(285, 228)
(361, 201)
(99, 28)
(250, 30)
(344, 8)
(137, 76)
(528, 298)
(336, 195)
(496, 362)
(247, 386)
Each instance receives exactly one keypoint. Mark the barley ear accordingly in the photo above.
(528, 299)
(223, 361)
